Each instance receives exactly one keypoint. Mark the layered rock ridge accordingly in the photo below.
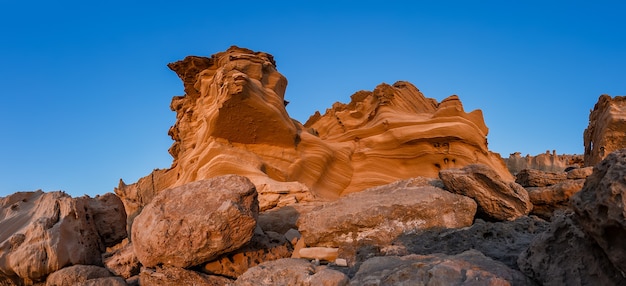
(605, 133)
(232, 120)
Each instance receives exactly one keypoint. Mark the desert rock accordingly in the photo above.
(501, 241)
(536, 178)
(547, 162)
(547, 200)
(606, 131)
(196, 222)
(41, 233)
(467, 268)
(381, 214)
(232, 120)
(264, 246)
(122, 262)
(174, 276)
(76, 274)
(497, 199)
(565, 255)
(601, 207)
(291, 271)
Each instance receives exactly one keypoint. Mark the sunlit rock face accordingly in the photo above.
(232, 120)
(607, 129)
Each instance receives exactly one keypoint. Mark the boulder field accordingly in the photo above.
(392, 188)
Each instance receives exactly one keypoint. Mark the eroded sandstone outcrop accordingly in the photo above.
(232, 120)
(196, 222)
(547, 162)
(291, 271)
(607, 129)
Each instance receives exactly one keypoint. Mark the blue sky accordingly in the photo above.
(85, 91)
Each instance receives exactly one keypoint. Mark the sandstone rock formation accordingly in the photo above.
(232, 120)
(122, 262)
(196, 222)
(607, 129)
(381, 214)
(547, 162)
(497, 199)
(467, 268)
(291, 271)
(41, 233)
(536, 178)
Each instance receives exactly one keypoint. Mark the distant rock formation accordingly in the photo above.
(232, 120)
(607, 129)
(547, 162)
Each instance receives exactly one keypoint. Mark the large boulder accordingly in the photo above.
(496, 198)
(41, 233)
(379, 215)
(565, 255)
(196, 222)
(293, 272)
(468, 268)
(500, 241)
(601, 207)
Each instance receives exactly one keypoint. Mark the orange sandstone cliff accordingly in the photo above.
(232, 120)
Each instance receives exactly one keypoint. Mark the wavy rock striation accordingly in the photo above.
(232, 120)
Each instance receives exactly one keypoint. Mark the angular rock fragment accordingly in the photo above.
(174, 276)
(291, 271)
(537, 178)
(496, 198)
(76, 274)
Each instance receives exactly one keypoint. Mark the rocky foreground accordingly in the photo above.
(392, 188)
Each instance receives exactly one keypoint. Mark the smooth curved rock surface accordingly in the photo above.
(496, 198)
(381, 214)
(196, 222)
(76, 274)
(232, 120)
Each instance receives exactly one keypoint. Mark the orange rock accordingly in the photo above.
(607, 129)
(232, 120)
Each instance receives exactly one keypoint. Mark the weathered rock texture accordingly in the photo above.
(196, 222)
(232, 120)
(381, 214)
(601, 207)
(536, 178)
(41, 233)
(547, 162)
(264, 246)
(122, 262)
(500, 241)
(291, 271)
(467, 268)
(607, 129)
(497, 199)
(76, 274)
(565, 255)
(174, 276)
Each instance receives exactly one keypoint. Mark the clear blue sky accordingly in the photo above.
(85, 91)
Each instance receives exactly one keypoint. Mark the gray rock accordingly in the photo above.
(467, 268)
